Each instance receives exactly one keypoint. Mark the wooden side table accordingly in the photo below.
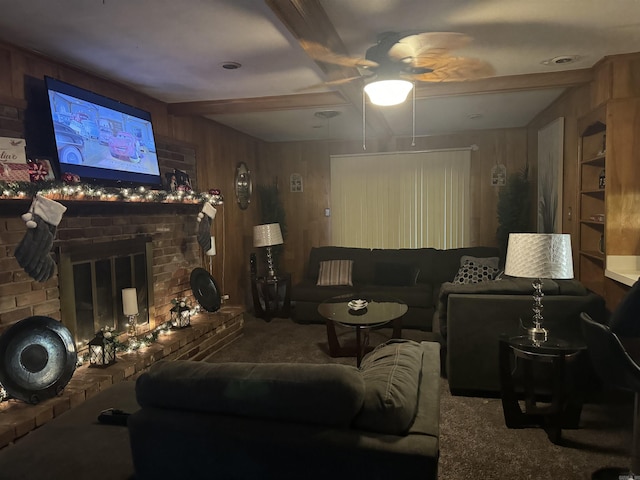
(564, 407)
(271, 296)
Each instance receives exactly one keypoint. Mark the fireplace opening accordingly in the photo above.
(92, 277)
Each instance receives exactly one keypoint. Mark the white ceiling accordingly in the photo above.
(172, 51)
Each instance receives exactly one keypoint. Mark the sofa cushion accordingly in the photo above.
(395, 274)
(570, 287)
(308, 291)
(476, 270)
(507, 286)
(416, 296)
(327, 394)
(444, 264)
(362, 264)
(391, 375)
(335, 272)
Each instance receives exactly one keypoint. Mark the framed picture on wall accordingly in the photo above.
(295, 183)
(177, 181)
(40, 170)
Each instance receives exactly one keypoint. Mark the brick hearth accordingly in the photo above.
(208, 333)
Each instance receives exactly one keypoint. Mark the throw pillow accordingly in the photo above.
(493, 262)
(624, 319)
(335, 272)
(476, 270)
(395, 274)
(391, 374)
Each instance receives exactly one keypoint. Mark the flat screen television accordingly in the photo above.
(100, 139)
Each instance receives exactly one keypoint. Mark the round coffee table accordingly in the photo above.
(379, 311)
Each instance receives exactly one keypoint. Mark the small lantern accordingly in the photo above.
(180, 315)
(102, 351)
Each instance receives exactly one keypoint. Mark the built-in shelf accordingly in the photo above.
(623, 268)
(598, 160)
(593, 254)
(594, 192)
(593, 223)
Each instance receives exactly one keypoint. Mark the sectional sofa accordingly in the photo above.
(291, 421)
(470, 318)
(411, 275)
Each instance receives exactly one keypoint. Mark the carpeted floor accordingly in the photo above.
(475, 444)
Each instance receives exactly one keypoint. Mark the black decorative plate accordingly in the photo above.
(205, 289)
(37, 359)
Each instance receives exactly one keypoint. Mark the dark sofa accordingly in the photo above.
(376, 271)
(290, 421)
(470, 319)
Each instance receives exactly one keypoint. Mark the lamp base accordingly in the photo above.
(538, 334)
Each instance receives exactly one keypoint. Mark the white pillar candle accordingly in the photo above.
(129, 301)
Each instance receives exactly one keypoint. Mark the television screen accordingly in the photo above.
(101, 140)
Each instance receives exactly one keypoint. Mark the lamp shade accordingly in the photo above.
(539, 255)
(267, 235)
(388, 92)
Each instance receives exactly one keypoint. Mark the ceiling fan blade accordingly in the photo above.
(323, 54)
(451, 69)
(428, 42)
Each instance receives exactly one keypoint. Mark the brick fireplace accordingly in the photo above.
(169, 229)
(167, 232)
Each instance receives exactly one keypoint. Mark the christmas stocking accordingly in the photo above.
(32, 253)
(207, 214)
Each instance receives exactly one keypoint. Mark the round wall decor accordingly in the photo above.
(205, 289)
(37, 358)
(243, 185)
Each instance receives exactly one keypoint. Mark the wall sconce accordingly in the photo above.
(102, 351)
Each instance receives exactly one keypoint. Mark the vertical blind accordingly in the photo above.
(401, 200)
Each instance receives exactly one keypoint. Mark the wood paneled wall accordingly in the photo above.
(614, 78)
(218, 150)
(308, 227)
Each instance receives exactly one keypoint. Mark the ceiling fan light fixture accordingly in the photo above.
(388, 92)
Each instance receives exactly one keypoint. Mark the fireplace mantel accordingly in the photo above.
(18, 206)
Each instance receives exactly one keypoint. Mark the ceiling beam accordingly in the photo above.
(258, 104)
(504, 84)
(507, 83)
(307, 20)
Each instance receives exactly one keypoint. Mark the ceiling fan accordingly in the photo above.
(399, 60)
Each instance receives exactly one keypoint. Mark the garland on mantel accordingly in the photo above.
(81, 191)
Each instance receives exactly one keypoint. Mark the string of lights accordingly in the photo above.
(81, 191)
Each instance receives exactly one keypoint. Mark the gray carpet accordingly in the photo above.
(475, 444)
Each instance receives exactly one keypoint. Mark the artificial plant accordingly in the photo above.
(514, 207)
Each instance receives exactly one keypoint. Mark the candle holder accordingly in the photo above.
(180, 314)
(132, 325)
(102, 350)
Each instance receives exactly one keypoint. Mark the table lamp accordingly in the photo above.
(538, 256)
(268, 235)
